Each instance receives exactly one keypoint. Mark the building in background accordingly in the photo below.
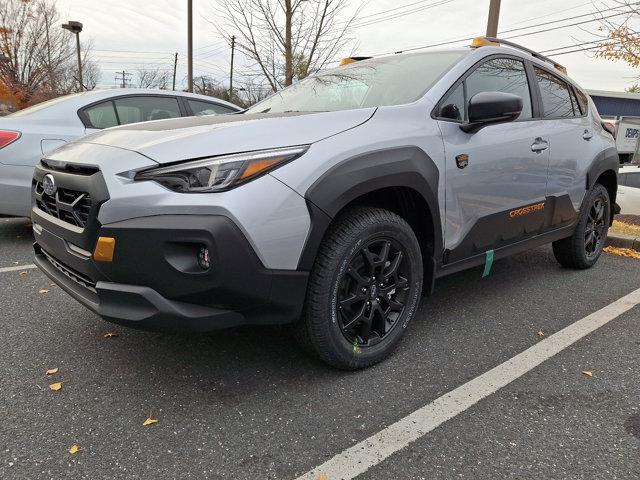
(623, 110)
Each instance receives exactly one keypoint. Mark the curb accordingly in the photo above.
(621, 240)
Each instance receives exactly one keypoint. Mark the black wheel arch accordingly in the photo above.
(404, 180)
(604, 170)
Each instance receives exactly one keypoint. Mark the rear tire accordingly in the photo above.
(583, 248)
(364, 289)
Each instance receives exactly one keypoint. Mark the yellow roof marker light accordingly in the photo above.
(483, 42)
(104, 249)
(348, 60)
(562, 68)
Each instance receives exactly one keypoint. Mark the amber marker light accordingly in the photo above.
(104, 249)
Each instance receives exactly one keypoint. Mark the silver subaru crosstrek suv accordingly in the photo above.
(333, 205)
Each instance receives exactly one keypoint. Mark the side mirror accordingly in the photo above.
(491, 107)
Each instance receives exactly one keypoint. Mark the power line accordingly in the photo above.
(574, 51)
(575, 45)
(394, 16)
(466, 39)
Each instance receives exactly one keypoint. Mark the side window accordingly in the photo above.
(143, 109)
(102, 115)
(583, 101)
(453, 107)
(502, 75)
(207, 108)
(496, 75)
(556, 98)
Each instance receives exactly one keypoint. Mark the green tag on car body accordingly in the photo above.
(488, 263)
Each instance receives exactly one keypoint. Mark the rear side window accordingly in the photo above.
(583, 101)
(207, 108)
(143, 109)
(496, 75)
(102, 115)
(556, 97)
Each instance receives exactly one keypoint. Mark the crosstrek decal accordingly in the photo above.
(526, 210)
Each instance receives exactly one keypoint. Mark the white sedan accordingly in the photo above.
(29, 134)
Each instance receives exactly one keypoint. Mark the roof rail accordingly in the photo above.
(487, 41)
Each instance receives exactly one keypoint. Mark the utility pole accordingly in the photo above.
(123, 78)
(233, 47)
(494, 16)
(190, 46)
(175, 68)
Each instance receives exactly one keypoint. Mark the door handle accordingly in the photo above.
(587, 135)
(539, 145)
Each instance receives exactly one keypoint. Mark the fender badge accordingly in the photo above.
(526, 210)
(462, 160)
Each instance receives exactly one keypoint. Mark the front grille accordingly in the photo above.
(72, 274)
(69, 206)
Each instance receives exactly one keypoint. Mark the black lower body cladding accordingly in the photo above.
(155, 281)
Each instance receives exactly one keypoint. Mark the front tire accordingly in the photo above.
(584, 247)
(364, 289)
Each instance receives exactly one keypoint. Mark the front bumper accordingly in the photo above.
(155, 283)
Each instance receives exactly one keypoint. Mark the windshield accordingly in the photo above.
(393, 80)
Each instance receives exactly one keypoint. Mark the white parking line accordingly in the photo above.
(373, 450)
(17, 267)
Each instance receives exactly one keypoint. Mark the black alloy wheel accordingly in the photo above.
(596, 228)
(364, 289)
(583, 248)
(373, 292)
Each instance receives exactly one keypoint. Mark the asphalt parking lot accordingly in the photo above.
(248, 404)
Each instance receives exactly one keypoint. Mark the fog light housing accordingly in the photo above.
(204, 259)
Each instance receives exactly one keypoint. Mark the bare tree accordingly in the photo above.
(153, 78)
(65, 78)
(252, 93)
(38, 54)
(287, 39)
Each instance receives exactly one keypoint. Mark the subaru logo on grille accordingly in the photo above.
(49, 185)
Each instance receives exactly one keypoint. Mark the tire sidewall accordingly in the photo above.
(354, 354)
(597, 191)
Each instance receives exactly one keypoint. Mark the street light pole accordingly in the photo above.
(494, 16)
(190, 46)
(79, 61)
(76, 28)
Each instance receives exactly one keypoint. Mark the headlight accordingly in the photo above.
(220, 173)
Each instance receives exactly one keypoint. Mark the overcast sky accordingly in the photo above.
(131, 34)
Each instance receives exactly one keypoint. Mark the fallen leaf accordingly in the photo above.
(23, 273)
(322, 476)
(541, 333)
(43, 290)
(588, 373)
(74, 449)
(55, 386)
(623, 252)
(111, 334)
(149, 421)
(52, 371)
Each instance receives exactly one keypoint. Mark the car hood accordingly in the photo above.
(171, 140)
